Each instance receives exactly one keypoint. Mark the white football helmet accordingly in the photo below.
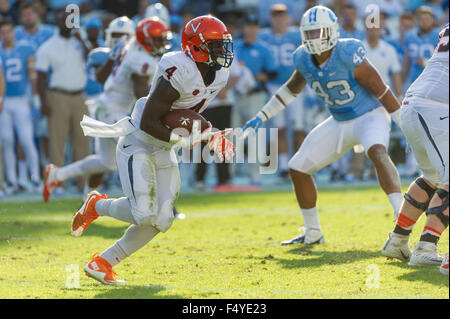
(319, 29)
(120, 26)
(160, 11)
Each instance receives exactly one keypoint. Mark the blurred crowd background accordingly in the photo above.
(265, 35)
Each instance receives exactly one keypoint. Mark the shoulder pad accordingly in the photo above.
(351, 52)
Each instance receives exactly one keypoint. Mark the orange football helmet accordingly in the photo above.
(206, 39)
(152, 34)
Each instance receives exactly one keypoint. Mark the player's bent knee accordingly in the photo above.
(298, 164)
(377, 153)
(162, 220)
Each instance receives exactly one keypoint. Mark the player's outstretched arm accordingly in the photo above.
(102, 72)
(369, 78)
(282, 98)
(157, 106)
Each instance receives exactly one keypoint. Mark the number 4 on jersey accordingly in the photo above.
(170, 72)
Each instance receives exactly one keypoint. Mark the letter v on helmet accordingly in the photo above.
(195, 28)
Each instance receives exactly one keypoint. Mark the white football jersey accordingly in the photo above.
(118, 95)
(433, 83)
(182, 73)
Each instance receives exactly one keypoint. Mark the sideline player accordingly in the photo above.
(146, 157)
(339, 72)
(100, 64)
(283, 40)
(424, 121)
(128, 82)
(18, 63)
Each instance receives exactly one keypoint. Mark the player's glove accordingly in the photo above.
(253, 125)
(221, 146)
(118, 48)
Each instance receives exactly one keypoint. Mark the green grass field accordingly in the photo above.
(227, 247)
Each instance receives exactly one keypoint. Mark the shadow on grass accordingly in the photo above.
(107, 232)
(18, 230)
(322, 258)
(135, 292)
(429, 274)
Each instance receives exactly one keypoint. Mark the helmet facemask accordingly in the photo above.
(220, 52)
(318, 40)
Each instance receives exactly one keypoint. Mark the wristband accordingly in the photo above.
(384, 93)
(282, 98)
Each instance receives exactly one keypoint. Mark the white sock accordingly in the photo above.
(89, 165)
(283, 162)
(117, 208)
(114, 254)
(134, 238)
(311, 218)
(396, 200)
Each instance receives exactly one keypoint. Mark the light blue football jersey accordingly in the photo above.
(282, 47)
(417, 46)
(15, 63)
(96, 58)
(335, 82)
(43, 33)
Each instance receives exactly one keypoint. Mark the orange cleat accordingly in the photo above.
(50, 182)
(101, 270)
(86, 214)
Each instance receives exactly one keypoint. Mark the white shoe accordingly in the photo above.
(425, 254)
(444, 266)
(309, 237)
(396, 246)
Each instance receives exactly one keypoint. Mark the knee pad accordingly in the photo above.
(427, 188)
(162, 220)
(439, 211)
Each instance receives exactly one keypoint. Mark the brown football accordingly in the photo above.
(184, 118)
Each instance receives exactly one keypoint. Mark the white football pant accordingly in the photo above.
(331, 139)
(425, 125)
(150, 179)
(16, 117)
(104, 159)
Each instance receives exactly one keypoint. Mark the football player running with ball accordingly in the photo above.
(424, 120)
(128, 81)
(339, 72)
(146, 155)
